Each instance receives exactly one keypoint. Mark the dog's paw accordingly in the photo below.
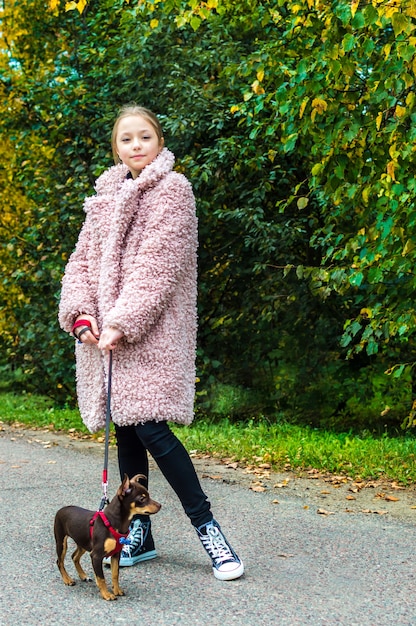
(109, 596)
(119, 592)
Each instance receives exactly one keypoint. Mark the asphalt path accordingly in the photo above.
(301, 568)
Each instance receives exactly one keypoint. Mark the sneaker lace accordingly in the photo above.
(136, 538)
(215, 544)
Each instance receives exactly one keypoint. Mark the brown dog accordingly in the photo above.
(100, 533)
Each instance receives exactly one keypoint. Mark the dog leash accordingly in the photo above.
(104, 499)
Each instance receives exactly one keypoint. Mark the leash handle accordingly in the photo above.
(104, 499)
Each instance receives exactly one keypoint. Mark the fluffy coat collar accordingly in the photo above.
(114, 206)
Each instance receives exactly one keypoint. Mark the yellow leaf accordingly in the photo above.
(302, 107)
(391, 9)
(391, 166)
(393, 151)
(379, 119)
(154, 23)
(319, 105)
(234, 108)
(367, 313)
(54, 4)
(354, 7)
(409, 246)
(410, 9)
(400, 111)
(257, 88)
(260, 75)
(366, 194)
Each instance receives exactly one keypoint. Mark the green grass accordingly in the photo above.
(38, 412)
(282, 445)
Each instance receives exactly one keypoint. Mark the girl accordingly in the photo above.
(130, 286)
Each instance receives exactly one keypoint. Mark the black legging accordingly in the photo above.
(172, 459)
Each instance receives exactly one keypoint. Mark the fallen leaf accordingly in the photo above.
(392, 499)
(324, 492)
(374, 512)
(280, 485)
(324, 512)
(275, 502)
(351, 498)
(257, 488)
(216, 477)
(314, 473)
(285, 556)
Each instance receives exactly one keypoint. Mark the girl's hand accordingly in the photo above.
(90, 336)
(109, 338)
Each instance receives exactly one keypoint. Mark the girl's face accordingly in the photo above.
(137, 143)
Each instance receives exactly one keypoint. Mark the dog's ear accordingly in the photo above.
(140, 478)
(124, 487)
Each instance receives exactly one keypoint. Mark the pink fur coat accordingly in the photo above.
(134, 268)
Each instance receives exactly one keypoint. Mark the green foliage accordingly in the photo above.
(281, 445)
(288, 446)
(294, 121)
(39, 411)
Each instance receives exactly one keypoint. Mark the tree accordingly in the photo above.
(293, 129)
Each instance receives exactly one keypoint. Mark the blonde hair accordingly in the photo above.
(135, 109)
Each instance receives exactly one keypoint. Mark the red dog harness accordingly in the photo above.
(117, 536)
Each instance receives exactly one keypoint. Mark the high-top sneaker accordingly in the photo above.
(225, 563)
(140, 546)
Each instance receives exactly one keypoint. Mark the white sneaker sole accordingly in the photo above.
(151, 554)
(231, 574)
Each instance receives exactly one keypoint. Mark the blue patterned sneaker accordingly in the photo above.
(140, 547)
(225, 563)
